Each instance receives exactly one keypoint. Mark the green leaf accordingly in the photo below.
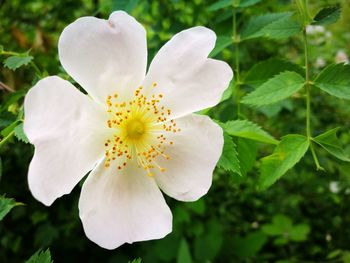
(330, 143)
(6, 131)
(6, 204)
(222, 42)
(226, 3)
(327, 16)
(40, 257)
(287, 153)
(137, 260)
(249, 245)
(299, 232)
(228, 92)
(14, 62)
(247, 153)
(265, 70)
(184, 255)
(0, 169)
(126, 5)
(19, 133)
(229, 159)
(273, 26)
(248, 130)
(335, 80)
(276, 89)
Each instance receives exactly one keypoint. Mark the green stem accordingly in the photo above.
(5, 139)
(235, 40)
(308, 101)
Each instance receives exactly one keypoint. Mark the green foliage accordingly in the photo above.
(249, 245)
(17, 61)
(40, 257)
(273, 26)
(287, 154)
(275, 89)
(19, 133)
(335, 80)
(229, 3)
(283, 229)
(138, 260)
(327, 16)
(229, 159)
(184, 255)
(265, 70)
(248, 130)
(330, 143)
(222, 42)
(6, 204)
(126, 5)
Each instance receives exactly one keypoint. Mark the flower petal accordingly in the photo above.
(125, 207)
(193, 156)
(105, 56)
(67, 130)
(185, 76)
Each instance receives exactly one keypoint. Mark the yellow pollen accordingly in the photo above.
(139, 129)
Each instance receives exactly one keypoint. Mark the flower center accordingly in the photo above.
(135, 129)
(140, 126)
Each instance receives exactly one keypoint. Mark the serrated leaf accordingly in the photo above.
(229, 159)
(226, 3)
(40, 257)
(275, 89)
(273, 26)
(6, 204)
(222, 42)
(14, 62)
(287, 154)
(184, 255)
(265, 70)
(19, 133)
(335, 80)
(327, 16)
(247, 152)
(248, 130)
(330, 143)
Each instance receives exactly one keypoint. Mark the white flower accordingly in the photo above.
(134, 132)
(341, 57)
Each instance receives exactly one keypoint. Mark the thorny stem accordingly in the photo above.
(235, 41)
(308, 101)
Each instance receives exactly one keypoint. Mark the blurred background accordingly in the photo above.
(304, 217)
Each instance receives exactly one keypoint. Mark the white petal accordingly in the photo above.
(185, 76)
(105, 56)
(123, 207)
(67, 130)
(193, 156)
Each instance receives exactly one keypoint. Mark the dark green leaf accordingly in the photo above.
(287, 153)
(248, 130)
(330, 143)
(229, 159)
(327, 16)
(265, 70)
(6, 204)
(249, 245)
(40, 257)
(6, 131)
(137, 260)
(276, 89)
(273, 26)
(126, 5)
(14, 62)
(335, 80)
(19, 133)
(247, 153)
(184, 255)
(222, 42)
